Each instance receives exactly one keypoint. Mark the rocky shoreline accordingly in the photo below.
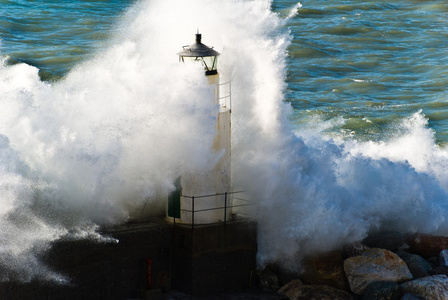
(386, 265)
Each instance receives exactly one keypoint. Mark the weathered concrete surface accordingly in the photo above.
(214, 258)
(103, 270)
(208, 259)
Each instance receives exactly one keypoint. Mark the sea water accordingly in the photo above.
(339, 118)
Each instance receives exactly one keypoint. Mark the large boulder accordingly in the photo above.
(327, 269)
(429, 288)
(418, 266)
(375, 265)
(317, 292)
(288, 289)
(389, 240)
(427, 245)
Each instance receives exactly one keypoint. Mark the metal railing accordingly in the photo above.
(226, 207)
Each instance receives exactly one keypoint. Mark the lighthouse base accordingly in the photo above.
(214, 258)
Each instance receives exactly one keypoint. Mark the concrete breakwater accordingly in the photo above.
(155, 260)
(149, 258)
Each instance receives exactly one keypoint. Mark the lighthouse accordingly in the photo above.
(205, 197)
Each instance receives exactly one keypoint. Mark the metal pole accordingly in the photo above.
(225, 208)
(192, 212)
(174, 214)
(230, 96)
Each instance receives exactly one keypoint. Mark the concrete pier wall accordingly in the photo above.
(103, 270)
(209, 259)
(214, 258)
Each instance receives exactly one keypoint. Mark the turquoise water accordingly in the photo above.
(339, 118)
(55, 35)
(363, 64)
(370, 63)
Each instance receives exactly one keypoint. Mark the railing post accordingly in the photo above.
(192, 212)
(174, 215)
(225, 208)
(230, 96)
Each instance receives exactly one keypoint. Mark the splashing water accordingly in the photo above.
(112, 135)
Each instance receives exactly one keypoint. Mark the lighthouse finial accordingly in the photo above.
(198, 36)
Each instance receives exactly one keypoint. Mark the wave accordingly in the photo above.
(113, 135)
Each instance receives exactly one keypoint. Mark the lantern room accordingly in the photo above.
(200, 52)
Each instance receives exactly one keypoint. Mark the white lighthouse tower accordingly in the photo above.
(205, 197)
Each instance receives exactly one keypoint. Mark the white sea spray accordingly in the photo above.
(112, 136)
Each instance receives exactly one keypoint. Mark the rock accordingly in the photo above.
(410, 296)
(427, 245)
(390, 240)
(353, 249)
(375, 265)
(382, 290)
(443, 258)
(429, 288)
(268, 280)
(318, 292)
(418, 266)
(284, 275)
(327, 269)
(433, 260)
(294, 284)
(417, 271)
(441, 270)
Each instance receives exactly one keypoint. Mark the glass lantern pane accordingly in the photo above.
(210, 62)
(215, 63)
(190, 59)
